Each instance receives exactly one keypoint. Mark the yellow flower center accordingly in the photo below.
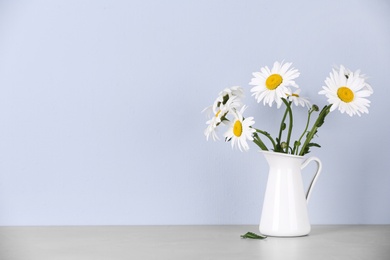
(219, 111)
(273, 81)
(345, 94)
(237, 128)
(295, 95)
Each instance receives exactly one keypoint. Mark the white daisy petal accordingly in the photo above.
(270, 85)
(227, 101)
(347, 91)
(240, 130)
(297, 99)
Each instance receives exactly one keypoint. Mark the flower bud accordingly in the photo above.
(315, 108)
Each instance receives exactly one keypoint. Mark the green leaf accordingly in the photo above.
(321, 118)
(252, 235)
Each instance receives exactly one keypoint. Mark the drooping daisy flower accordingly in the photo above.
(235, 92)
(211, 129)
(212, 123)
(271, 85)
(240, 130)
(347, 91)
(297, 99)
(218, 115)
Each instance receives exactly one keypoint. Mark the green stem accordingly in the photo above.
(296, 147)
(319, 122)
(266, 135)
(288, 105)
(257, 140)
(282, 125)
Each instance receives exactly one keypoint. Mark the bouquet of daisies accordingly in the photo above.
(345, 90)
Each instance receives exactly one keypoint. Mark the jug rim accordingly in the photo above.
(283, 154)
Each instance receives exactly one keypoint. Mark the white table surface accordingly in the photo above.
(367, 242)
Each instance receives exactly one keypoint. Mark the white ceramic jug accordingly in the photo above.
(284, 211)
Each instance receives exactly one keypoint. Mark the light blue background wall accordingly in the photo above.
(100, 107)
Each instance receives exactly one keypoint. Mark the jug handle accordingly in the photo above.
(313, 181)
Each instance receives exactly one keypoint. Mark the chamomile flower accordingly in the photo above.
(297, 99)
(211, 129)
(218, 116)
(240, 130)
(212, 123)
(270, 85)
(235, 92)
(357, 74)
(347, 91)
